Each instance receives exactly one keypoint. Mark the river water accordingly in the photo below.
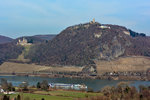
(95, 84)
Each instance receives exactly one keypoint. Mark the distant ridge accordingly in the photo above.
(4, 39)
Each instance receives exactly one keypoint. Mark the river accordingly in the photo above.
(95, 84)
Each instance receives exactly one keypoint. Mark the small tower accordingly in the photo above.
(93, 20)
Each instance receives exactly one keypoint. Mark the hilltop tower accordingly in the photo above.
(93, 21)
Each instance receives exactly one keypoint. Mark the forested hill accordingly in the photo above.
(9, 51)
(82, 44)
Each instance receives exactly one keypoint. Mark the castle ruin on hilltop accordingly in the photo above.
(23, 42)
(101, 26)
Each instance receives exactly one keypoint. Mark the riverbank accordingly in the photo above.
(80, 76)
(95, 84)
(121, 91)
(19, 69)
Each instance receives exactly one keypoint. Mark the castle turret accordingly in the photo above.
(93, 20)
(23, 42)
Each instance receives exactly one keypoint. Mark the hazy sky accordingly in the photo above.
(30, 17)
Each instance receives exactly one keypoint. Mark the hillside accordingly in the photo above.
(4, 39)
(82, 44)
(125, 64)
(9, 51)
(12, 67)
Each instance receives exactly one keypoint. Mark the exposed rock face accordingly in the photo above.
(82, 44)
(113, 51)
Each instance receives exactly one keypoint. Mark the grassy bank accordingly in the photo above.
(55, 95)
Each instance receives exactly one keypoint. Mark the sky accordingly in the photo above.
(31, 17)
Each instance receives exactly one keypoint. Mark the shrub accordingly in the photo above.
(18, 97)
(44, 85)
(24, 86)
(38, 85)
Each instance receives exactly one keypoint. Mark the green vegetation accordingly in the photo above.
(27, 48)
(22, 56)
(46, 97)
(9, 95)
(121, 92)
(54, 95)
(42, 91)
(72, 94)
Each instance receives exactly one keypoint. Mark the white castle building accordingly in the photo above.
(23, 42)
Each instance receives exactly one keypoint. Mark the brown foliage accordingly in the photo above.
(9, 51)
(122, 92)
(78, 45)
